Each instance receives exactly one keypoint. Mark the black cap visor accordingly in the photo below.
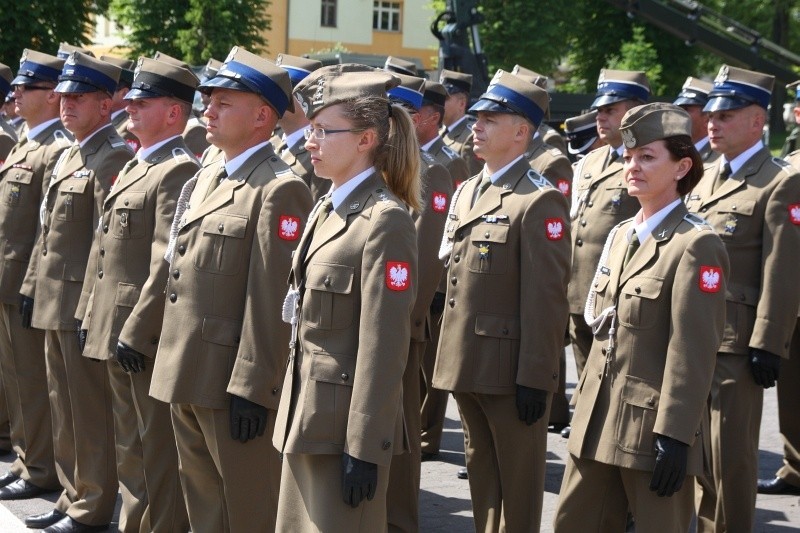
(72, 86)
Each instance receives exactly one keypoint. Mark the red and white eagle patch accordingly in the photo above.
(563, 186)
(710, 278)
(289, 228)
(398, 275)
(554, 228)
(794, 214)
(439, 202)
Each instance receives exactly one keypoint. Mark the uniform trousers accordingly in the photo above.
(434, 401)
(6, 443)
(228, 485)
(789, 412)
(83, 430)
(596, 496)
(24, 373)
(147, 456)
(402, 496)
(505, 462)
(726, 500)
(311, 498)
(581, 336)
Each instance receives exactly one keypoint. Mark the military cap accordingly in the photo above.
(37, 67)
(65, 49)
(508, 93)
(530, 76)
(85, 74)
(400, 66)
(335, 84)
(735, 88)
(652, 122)
(210, 70)
(455, 82)
(5, 78)
(694, 92)
(9, 97)
(434, 93)
(155, 78)
(161, 56)
(618, 85)
(245, 71)
(581, 132)
(297, 67)
(127, 66)
(409, 92)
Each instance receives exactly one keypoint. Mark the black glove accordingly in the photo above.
(437, 305)
(531, 404)
(670, 470)
(765, 367)
(129, 359)
(248, 419)
(359, 480)
(82, 333)
(26, 310)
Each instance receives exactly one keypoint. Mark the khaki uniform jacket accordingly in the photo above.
(449, 159)
(22, 179)
(670, 302)
(195, 136)
(600, 202)
(226, 285)
(299, 160)
(120, 123)
(344, 383)
(552, 137)
(506, 309)
(708, 155)
(72, 206)
(552, 164)
(8, 138)
(757, 214)
(459, 139)
(127, 270)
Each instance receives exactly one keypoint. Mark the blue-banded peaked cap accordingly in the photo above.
(126, 66)
(508, 93)
(694, 92)
(85, 74)
(735, 88)
(297, 67)
(37, 67)
(65, 49)
(618, 85)
(410, 92)
(5, 79)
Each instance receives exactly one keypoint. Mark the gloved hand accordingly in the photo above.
(129, 359)
(82, 333)
(248, 419)
(670, 470)
(437, 304)
(359, 480)
(26, 310)
(531, 404)
(765, 367)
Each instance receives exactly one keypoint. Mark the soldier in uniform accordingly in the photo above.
(212, 153)
(457, 123)
(125, 279)
(22, 361)
(753, 202)
(8, 136)
(80, 402)
(507, 244)
(428, 126)
(582, 135)
(11, 116)
(236, 225)
(119, 115)
(692, 98)
(549, 135)
(291, 145)
(66, 49)
(657, 307)
(353, 287)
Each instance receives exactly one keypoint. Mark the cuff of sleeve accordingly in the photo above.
(144, 344)
(771, 337)
(250, 382)
(370, 440)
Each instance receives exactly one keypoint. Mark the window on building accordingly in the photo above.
(386, 15)
(328, 13)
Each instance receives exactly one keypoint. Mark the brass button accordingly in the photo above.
(102, 252)
(583, 222)
(44, 252)
(590, 204)
(275, 390)
(105, 228)
(638, 290)
(651, 402)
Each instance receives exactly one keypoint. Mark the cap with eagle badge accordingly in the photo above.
(508, 93)
(581, 132)
(297, 67)
(85, 74)
(127, 66)
(65, 49)
(619, 85)
(401, 66)
(644, 124)
(409, 93)
(455, 82)
(5, 79)
(735, 88)
(530, 76)
(247, 72)
(694, 92)
(37, 67)
(154, 79)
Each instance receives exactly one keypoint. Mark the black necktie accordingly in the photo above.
(612, 157)
(219, 178)
(723, 176)
(324, 211)
(633, 245)
(486, 181)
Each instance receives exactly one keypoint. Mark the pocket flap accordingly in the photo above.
(740, 206)
(641, 393)
(643, 287)
(501, 326)
(222, 331)
(20, 175)
(601, 283)
(74, 271)
(127, 295)
(131, 200)
(742, 295)
(73, 186)
(489, 233)
(333, 368)
(17, 251)
(227, 225)
(330, 277)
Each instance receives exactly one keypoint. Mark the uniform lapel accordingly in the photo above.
(493, 197)
(662, 233)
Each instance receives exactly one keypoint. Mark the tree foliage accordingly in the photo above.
(150, 25)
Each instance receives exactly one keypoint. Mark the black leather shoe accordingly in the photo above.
(70, 525)
(8, 478)
(462, 473)
(429, 456)
(566, 431)
(41, 521)
(556, 427)
(21, 490)
(776, 486)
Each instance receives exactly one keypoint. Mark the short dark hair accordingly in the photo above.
(680, 146)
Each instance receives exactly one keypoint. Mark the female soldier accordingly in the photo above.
(657, 308)
(353, 286)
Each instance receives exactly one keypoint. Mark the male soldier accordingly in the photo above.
(787, 478)
(126, 281)
(457, 123)
(549, 135)
(8, 136)
(11, 116)
(212, 153)
(753, 201)
(236, 225)
(429, 124)
(80, 402)
(506, 310)
(65, 49)
(291, 145)
(602, 199)
(22, 359)
(692, 98)
(582, 135)
(402, 497)
(119, 116)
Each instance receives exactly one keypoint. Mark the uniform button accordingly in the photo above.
(345, 376)
(486, 235)
(505, 331)
(594, 186)
(603, 351)
(105, 228)
(327, 282)
(154, 340)
(237, 339)
(703, 209)
(599, 375)
(453, 280)
(102, 252)
(460, 235)
(100, 274)
(418, 323)
(173, 297)
(638, 290)
(387, 445)
(275, 390)
(456, 258)
(44, 252)
(126, 202)
(221, 227)
(176, 273)
(579, 242)
(651, 402)
(742, 297)
(590, 204)
(452, 302)
(181, 249)
(555, 375)
(583, 222)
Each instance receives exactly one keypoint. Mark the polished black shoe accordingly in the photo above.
(70, 525)
(8, 478)
(21, 490)
(429, 456)
(462, 473)
(776, 486)
(566, 431)
(41, 521)
(556, 427)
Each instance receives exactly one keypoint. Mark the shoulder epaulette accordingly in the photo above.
(539, 180)
(698, 222)
(449, 152)
(179, 155)
(554, 151)
(62, 138)
(119, 143)
(428, 158)
(785, 165)
(279, 167)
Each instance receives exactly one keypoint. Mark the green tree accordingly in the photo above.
(640, 54)
(150, 26)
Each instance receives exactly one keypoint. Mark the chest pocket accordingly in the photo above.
(637, 306)
(128, 216)
(17, 187)
(600, 288)
(74, 200)
(488, 252)
(221, 244)
(615, 199)
(732, 217)
(328, 302)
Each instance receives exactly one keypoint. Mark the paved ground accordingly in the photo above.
(445, 502)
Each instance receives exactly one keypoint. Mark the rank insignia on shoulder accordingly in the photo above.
(538, 180)
(284, 173)
(693, 197)
(439, 202)
(398, 275)
(449, 152)
(62, 139)
(428, 158)
(181, 156)
(794, 214)
(605, 270)
(554, 228)
(118, 144)
(710, 278)
(289, 227)
(699, 222)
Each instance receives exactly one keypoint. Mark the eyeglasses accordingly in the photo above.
(23, 88)
(320, 133)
